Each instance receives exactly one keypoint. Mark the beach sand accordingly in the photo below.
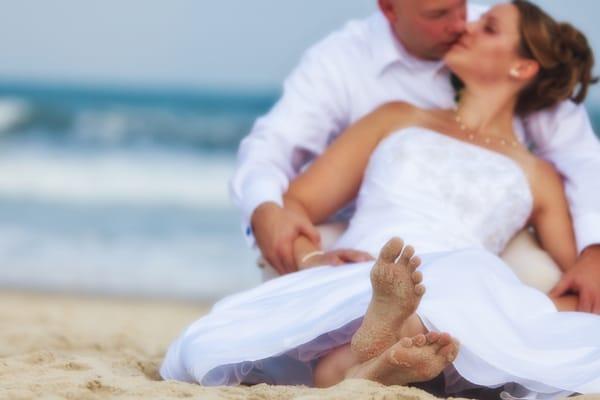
(68, 347)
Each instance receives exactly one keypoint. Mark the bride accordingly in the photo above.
(457, 184)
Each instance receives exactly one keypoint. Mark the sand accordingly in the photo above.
(62, 347)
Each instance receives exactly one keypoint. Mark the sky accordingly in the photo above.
(185, 43)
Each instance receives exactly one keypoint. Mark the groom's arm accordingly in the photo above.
(313, 107)
(564, 136)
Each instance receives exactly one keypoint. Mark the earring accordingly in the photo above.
(514, 73)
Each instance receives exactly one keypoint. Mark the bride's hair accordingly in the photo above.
(564, 55)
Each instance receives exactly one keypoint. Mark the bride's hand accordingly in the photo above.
(335, 257)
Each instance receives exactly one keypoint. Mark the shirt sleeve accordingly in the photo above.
(564, 136)
(299, 126)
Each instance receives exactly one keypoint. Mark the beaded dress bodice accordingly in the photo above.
(438, 193)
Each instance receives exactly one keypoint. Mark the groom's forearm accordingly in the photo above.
(254, 184)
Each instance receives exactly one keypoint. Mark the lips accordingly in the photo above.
(461, 43)
(450, 44)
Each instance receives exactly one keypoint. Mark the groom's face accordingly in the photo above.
(427, 28)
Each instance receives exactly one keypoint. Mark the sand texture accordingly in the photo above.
(60, 347)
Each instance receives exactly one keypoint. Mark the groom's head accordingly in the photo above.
(426, 28)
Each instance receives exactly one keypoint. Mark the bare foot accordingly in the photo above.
(396, 295)
(411, 360)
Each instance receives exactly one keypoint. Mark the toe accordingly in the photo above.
(417, 277)
(455, 343)
(419, 290)
(414, 263)
(407, 254)
(445, 339)
(432, 337)
(420, 340)
(442, 339)
(448, 352)
(406, 342)
(391, 250)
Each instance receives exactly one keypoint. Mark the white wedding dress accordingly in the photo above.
(458, 204)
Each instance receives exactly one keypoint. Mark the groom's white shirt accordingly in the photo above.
(353, 71)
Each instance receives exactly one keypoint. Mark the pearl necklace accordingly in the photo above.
(486, 139)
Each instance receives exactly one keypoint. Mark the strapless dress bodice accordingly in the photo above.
(439, 194)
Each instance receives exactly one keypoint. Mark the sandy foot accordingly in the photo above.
(410, 360)
(396, 294)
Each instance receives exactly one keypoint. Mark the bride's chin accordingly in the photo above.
(454, 64)
(449, 58)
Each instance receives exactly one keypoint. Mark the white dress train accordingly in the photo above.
(458, 204)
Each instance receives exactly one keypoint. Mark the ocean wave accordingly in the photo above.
(119, 177)
(122, 119)
(13, 112)
(94, 118)
(126, 126)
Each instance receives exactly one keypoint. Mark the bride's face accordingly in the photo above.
(488, 50)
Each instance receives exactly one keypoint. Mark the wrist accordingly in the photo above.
(305, 250)
(264, 208)
(308, 256)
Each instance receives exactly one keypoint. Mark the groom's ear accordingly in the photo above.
(388, 9)
(524, 70)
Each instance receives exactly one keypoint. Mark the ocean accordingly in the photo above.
(122, 192)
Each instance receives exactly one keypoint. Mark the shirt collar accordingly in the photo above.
(388, 50)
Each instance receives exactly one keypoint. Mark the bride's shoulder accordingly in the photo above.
(399, 109)
(398, 114)
(536, 168)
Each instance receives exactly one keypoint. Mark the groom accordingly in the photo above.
(395, 55)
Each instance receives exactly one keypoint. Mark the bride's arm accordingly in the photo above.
(551, 217)
(334, 178)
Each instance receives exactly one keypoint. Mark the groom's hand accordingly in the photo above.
(275, 229)
(584, 279)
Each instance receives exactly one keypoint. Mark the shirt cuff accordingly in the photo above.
(587, 231)
(257, 195)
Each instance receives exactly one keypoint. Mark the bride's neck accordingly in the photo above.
(489, 112)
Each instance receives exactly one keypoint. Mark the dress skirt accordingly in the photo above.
(510, 335)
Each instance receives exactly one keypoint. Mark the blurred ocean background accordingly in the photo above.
(114, 177)
(120, 191)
